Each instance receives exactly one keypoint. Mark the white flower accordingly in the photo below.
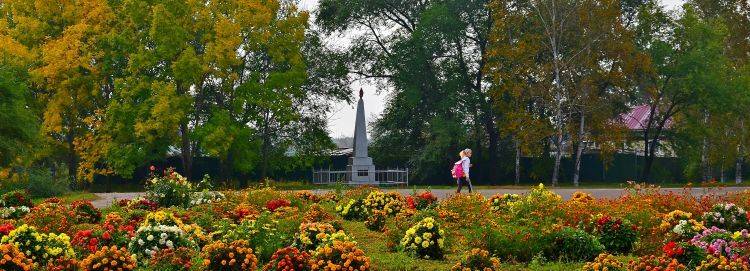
(150, 237)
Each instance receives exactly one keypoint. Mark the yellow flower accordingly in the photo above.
(425, 244)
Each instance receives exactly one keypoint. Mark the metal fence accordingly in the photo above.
(382, 177)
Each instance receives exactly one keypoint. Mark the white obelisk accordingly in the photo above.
(360, 165)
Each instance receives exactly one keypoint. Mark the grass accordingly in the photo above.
(70, 197)
(374, 245)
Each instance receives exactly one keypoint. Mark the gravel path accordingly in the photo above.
(105, 199)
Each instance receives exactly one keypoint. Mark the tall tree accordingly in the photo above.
(574, 58)
(431, 57)
(686, 63)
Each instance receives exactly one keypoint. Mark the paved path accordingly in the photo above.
(105, 199)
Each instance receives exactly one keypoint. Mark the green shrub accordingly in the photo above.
(262, 234)
(511, 242)
(42, 184)
(616, 234)
(572, 245)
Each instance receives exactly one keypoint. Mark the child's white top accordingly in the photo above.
(465, 164)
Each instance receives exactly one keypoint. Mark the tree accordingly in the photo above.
(431, 57)
(686, 63)
(18, 125)
(574, 59)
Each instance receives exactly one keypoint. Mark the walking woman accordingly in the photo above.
(461, 170)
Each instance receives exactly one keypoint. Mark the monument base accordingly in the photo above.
(362, 170)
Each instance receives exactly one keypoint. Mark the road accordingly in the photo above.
(105, 199)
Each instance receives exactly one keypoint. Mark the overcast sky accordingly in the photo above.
(341, 120)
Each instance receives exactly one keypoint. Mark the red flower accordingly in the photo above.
(152, 168)
(673, 249)
(6, 228)
(410, 202)
(274, 204)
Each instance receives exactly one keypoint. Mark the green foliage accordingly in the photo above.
(264, 234)
(18, 125)
(512, 242)
(570, 245)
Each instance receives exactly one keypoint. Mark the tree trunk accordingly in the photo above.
(558, 157)
(518, 162)
(721, 171)
(648, 160)
(266, 145)
(705, 167)
(492, 134)
(738, 166)
(72, 157)
(579, 151)
(186, 152)
(738, 171)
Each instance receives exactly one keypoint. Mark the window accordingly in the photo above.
(362, 173)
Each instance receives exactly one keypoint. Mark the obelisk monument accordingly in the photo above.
(360, 164)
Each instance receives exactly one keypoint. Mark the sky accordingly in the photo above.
(341, 119)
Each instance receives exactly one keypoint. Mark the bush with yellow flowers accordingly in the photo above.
(424, 240)
(313, 235)
(163, 218)
(477, 259)
(377, 200)
(671, 219)
(354, 209)
(109, 258)
(581, 197)
(721, 263)
(539, 202)
(604, 262)
(653, 263)
(57, 246)
(13, 259)
(39, 247)
(394, 207)
(339, 255)
(499, 202)
(234, 256)
(288, 258)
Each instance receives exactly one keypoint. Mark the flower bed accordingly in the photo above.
(645, 229)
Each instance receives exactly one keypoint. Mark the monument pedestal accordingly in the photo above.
(362, 170)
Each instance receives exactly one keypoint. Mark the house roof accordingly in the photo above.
(637, 118)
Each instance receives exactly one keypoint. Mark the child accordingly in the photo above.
(465, 165)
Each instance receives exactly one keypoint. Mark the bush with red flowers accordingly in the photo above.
(685, 253)
(62, 264)
(274, 204)
(50, 216)
(421, 201)
(16, 198)
(616, 234)
(6, 228)
(288, 258)
(179, 259)
(118, 231)
(653, 263)
(85, 241)
(85, 212)
(143, 204)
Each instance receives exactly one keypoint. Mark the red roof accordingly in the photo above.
(637, 118)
